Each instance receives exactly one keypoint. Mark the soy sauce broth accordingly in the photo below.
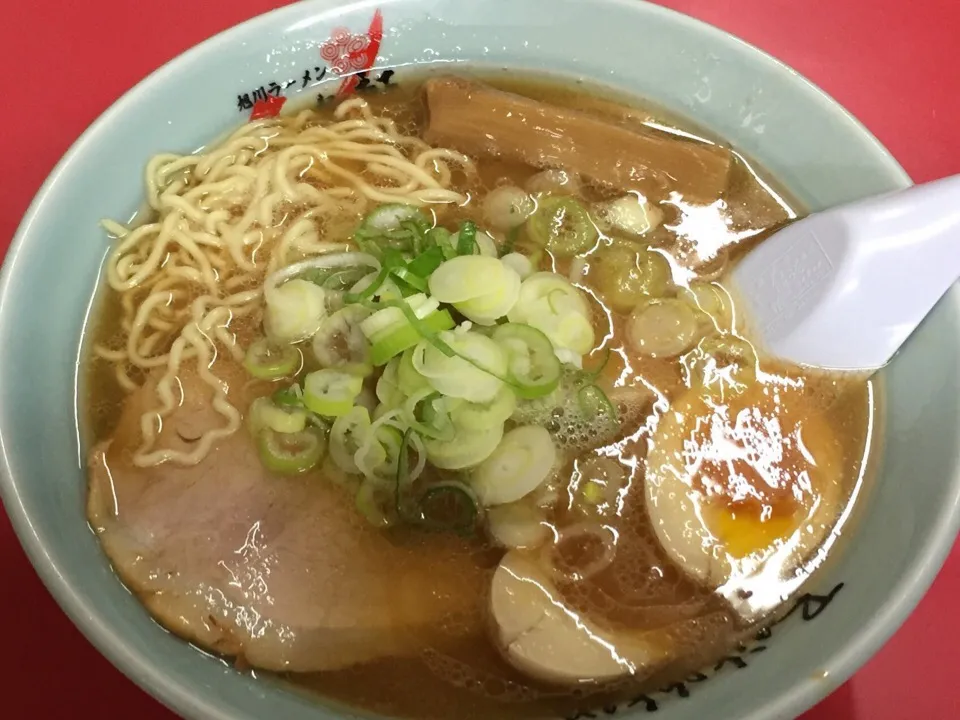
(467, 678)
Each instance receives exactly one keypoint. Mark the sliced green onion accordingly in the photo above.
(340, 341)
(532, 366)
(418, 236)
(347, 435)
(474, 371)
(395, 261)
(449, 506)
(520, 264)
(344, 260)
(393, 258)
(729, 347)
(521, 462)
(466, 449)
(389, 439)
(382, 410)
(414, 227)
(518, 525)
(477, 416)
(412, 279)
(390, 217)
(377, 455)
(393, 227)
(331, 392)
(294, 310)
(663, 327)
(507, 207)
(371, 497)
(388, 388)
(426, 262)
(443, 240)
(358, 446)
(711, 299)
(594, 372)
(439, 414)
(629, 275)
(593, 493)
(423, 329)
(290, 453)
(389, 316)
(486, 245)
(630, 214)
(368, 291)
(317, 275)
(403, 476)
(421, 413)
(359, 369)
(559, 310)
(438, 237)
(405, 337)
(321, 423)
(467, 238)
(562, 225)
(595, 403)
(264, 413)
(365, 244)
(465, 278)
(726, 358)
(503, 290)
(344, 279)
(480, 287)
(265, 361)
(405, 290)
(370, 456)
(291, 396)
(335, 279)
(409, 381)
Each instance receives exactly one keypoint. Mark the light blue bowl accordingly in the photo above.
(799, 134)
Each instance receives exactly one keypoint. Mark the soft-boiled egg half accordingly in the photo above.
(743, 487)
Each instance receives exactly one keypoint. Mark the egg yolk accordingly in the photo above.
(760, 462)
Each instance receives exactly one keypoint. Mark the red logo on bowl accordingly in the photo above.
(267, 108)
(350, 55)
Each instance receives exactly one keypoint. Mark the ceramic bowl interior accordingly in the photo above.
(766, 110)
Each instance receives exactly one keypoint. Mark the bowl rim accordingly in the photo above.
(142, 669)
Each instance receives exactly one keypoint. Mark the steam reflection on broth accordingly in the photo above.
(434, 402)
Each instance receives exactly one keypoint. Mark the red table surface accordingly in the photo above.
(891, 62)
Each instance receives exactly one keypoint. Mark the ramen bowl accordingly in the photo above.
(903, 531)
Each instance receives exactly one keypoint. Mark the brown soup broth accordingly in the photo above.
(467, 677)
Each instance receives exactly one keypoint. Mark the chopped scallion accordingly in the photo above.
(426, 262)
(467, 239)
(266, 361)
(290, 453)
(449, 505)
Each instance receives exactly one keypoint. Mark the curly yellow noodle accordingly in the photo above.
(228, 215)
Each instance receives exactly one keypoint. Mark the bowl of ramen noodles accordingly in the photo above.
(382, 361)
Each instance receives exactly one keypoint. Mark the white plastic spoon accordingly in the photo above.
(844, 288)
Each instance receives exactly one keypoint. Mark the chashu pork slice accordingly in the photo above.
(280, 571)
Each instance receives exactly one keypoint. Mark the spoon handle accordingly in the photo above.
(844, 288)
